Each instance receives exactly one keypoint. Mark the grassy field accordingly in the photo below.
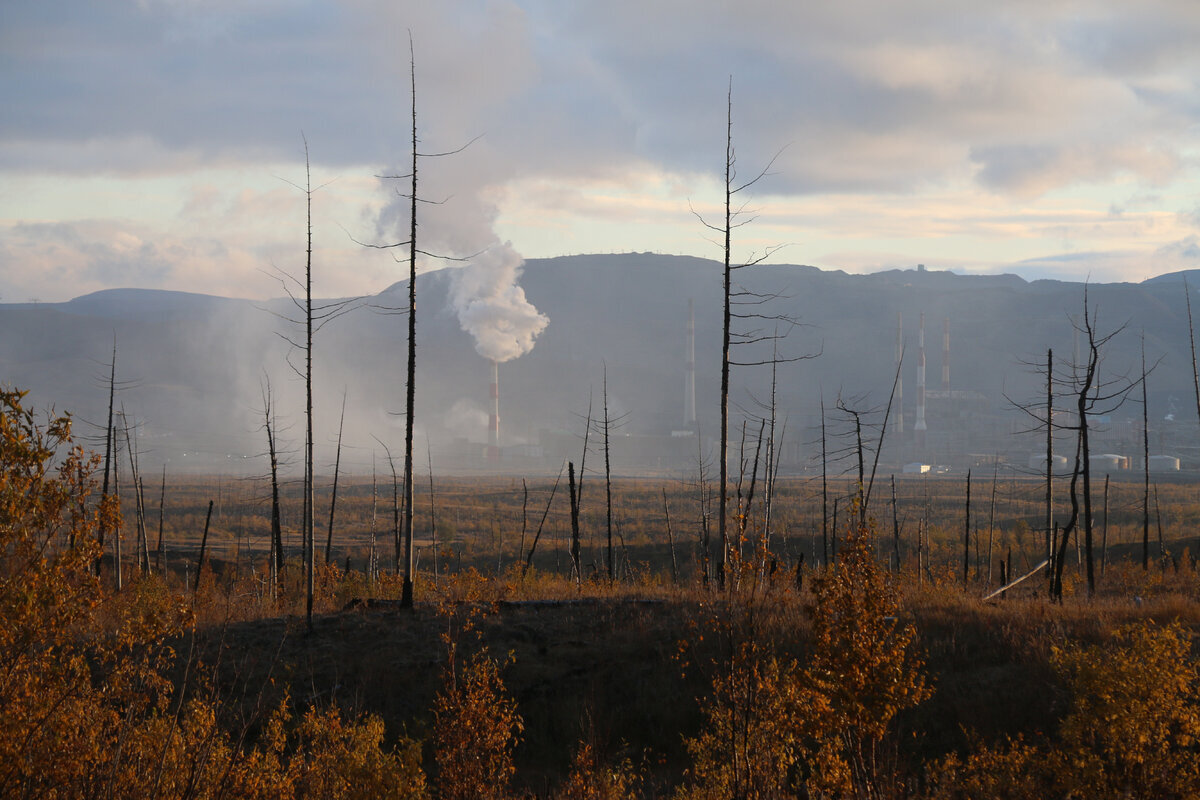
(623, 665)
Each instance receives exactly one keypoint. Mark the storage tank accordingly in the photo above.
(1109, 462)
(1164, 464)
(1038, 461)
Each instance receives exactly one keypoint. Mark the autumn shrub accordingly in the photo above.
(1131, 728)
(90, 701)
(779, 725)
(476, 724)
(593, 778)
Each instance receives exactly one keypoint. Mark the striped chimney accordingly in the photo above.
(946, 354)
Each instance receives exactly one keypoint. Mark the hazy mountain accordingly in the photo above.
(192, 366)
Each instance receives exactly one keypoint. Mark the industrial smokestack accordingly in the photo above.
(919, 426)
(493, 450)
(898, 421)
(946, 354)
(689, 385)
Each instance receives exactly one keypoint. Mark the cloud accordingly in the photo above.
(1021, 100)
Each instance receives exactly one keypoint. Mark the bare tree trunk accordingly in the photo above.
(141, 549)
(1145, 467)
(101, 529)
(1162, 548)
(967, 535)
(992, 522)
(1104, 540)
(432, 508)
(337, 464)
(524, 516)
(670, 539)
(723, 457)
(772, 469)
(276, 519)
(203, 546)
(1187, 294)
(1082, 406)
(118, 533)
(895, 528)
(824, 491)
(159, 561)
(372, 553)
(406, 599)
(705, 532)
(608, 482)
(538, 533)
(1050, 465)
(834, 530)
(744, 516)
(309, 532)
(1060, 557)
(574, 524)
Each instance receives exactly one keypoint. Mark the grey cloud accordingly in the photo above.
(582, 88)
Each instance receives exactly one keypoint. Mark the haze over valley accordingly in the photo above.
(193, 367)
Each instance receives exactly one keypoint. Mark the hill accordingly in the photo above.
(193, 366)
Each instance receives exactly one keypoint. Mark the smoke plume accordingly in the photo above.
(491, 305)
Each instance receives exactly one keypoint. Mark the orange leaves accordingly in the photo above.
(1132, 728)
(476, 725)
(88, 703)
(778, 726)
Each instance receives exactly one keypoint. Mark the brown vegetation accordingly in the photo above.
(844, 680)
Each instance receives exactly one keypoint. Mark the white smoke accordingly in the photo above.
(466, 419)
(491, 305)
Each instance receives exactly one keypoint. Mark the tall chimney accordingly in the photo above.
(946, 354)
(898, 421)
(493, 450)
(919, 426)
(689, 384)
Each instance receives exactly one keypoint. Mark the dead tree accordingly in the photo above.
(102, 527)
(895, 528)
(407, 595)
(1187, 295)
(313, 318)
(541, 523)
(733, 296)
(273, 455)
(337, 463)
(824, 490)
(141, 549)
(1093, 395)
(608, 479)
(1050, 457)
(967, 535)
(574, 522)
(1146, 465)
(670, 539)
(203, 547)
(159, 562)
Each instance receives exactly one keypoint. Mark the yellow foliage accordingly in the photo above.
(777, 727)
(88, 707)
(476, 724)
(1132, 729)
(592, 779)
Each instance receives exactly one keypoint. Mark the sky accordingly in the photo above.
(161, 143)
